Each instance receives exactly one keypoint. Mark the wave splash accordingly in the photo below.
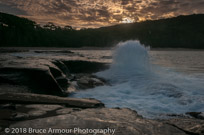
(151, 90)
(129, 59)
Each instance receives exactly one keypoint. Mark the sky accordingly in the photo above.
(99, 13)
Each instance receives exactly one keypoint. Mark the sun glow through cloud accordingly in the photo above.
(127, 20)
(97, 13)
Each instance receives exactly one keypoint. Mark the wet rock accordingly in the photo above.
(20, 116)
(37, 80)
(123, 121)
(64, 111)
(14, 88)
(72, 87)
(6, 114)
(176, 115)
(34, 111)
(8, 106)
(7, 111)
(38, 110)
(44, 76)
(27, 98)
(106, 57)
(198, 115)
(63, 68)
(187, 125)
(36, 76)
(87, 81)
(44, 107)
(31, 111)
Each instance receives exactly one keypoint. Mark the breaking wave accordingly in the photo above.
(151, 90)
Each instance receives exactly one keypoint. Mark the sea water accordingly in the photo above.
(154, 84)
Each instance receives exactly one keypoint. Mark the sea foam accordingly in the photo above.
(153, 91)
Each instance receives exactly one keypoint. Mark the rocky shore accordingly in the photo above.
(37, 111)
(34, 95)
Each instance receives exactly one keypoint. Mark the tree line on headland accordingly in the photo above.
(177, 32)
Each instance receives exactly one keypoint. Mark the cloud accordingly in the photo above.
(97, 13)
(12, 10)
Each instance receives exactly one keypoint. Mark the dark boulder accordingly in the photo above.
(87, 82)
(198, 115)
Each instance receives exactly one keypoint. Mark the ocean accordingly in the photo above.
(155, 83)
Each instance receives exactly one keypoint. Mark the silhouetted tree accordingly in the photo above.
(177, 32)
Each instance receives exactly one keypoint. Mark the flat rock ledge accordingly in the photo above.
(28, 98)
(50, 112)
(50, 77)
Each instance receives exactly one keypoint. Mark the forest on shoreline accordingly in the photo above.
(178, 32)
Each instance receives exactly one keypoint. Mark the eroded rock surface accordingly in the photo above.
(198, 115)
(87, 81)
(123, 121)
(19, 108)
(37, 76)
(188, 125)
(61, 113)
(45, 76)
(25, 98)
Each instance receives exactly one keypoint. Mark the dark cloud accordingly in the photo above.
(125, 2)
(97, 13)
(12, 9)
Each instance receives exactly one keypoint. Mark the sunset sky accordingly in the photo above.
(97, 13)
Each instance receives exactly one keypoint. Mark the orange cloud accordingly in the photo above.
(97, 13)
